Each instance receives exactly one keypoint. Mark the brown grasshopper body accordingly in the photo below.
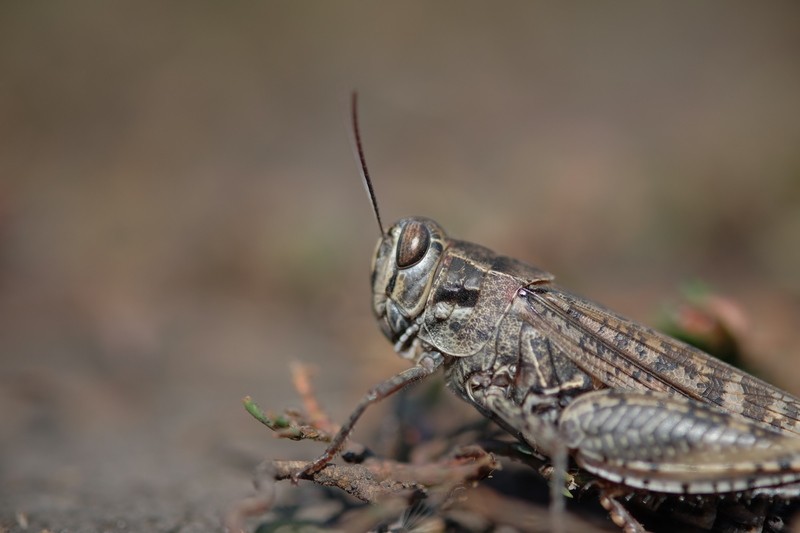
(642, 412)
(634, 407)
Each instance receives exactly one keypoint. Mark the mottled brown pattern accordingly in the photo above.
(649, 360)
(633, 407)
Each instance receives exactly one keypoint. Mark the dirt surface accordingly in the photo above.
(181, 216)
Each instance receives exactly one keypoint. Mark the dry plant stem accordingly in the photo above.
(301, 378)
(375, 479)
(356, 480)
(467, 464)
(290, 425)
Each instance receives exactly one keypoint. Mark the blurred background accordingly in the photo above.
(181, 215)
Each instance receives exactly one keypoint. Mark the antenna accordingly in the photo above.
(363, 161)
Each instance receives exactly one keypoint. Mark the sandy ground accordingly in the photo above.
(181, 217)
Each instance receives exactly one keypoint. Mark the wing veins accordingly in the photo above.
(663, 363)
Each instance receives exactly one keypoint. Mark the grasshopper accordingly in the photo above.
(640, 411)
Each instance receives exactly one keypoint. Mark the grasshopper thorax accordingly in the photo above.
(403, 268)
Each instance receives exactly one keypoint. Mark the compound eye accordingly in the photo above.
(414, 242)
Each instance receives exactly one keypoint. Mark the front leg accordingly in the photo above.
(428, 364)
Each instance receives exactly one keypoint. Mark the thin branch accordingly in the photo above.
(301, 378)
(375, 479)
(290, 425)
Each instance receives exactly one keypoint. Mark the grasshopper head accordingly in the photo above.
(405, 262)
